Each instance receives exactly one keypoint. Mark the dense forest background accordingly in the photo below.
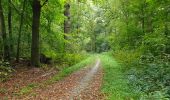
(135, 32)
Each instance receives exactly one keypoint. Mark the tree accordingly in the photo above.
(67, 20)
(4, 34)
(20, 30)
(35, 52)
(10, 27)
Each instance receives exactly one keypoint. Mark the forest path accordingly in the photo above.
(81, 85)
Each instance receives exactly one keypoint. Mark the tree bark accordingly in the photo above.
(20, 30)
(143, 16)
(66, 24)
(78, 14)
(67, 21)
(4, 35)
(10, 27)
(166, 30)
(35, 57)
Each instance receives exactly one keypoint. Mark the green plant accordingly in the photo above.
(28, 88)
(127, 58)
(5, 70)
(153, 77)
(115, 83)
(68, 70)
(3, 90)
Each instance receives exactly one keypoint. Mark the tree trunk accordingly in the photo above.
(20, 30)
(35, 57)
(143, 21)
(78, 14)
(10, 27)
(4, 35)
(143, 16)
(67, 21)
(166, 30)
(66, 24)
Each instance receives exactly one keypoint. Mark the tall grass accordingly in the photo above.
(115, 84)
(68, 70)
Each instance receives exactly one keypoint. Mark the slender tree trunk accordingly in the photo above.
(67, 21)
(20, 30)
(4, 35)
(78, 14)
(10, 27)
(166, 30)
(150, 24)
(35, 57)
(167, 33)
(66, 24)
(143, 16)
(143, 21)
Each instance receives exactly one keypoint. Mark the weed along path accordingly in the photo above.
(84, 84)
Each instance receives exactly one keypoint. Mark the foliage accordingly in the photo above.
(115, 83)
(68, 70)
(154, 79)
(140, 42)
(27, 89)
(5, 70)
(128, 58)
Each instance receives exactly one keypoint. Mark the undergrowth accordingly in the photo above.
(148, 72)
(115, 84)
(5, 70)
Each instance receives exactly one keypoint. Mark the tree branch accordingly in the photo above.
(19, 12)
(44, 3)
(11, 4)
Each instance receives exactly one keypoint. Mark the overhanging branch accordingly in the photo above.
(44, 3)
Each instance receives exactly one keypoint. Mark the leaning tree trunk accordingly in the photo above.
(35, 57)
(4, 35)
(20, 30)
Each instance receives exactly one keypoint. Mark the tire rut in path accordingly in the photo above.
(85, 81)
(82, 85)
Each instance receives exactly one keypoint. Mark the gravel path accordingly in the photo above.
(82, 85)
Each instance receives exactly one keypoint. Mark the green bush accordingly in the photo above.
(128, 58)
(5, 70)
(71, 59)
(68, 59)
(147, 73)
(153, 79)
(115, 84)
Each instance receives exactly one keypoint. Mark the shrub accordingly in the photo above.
(5, 70)
(71, 59)
(128, 58)
(153, 78)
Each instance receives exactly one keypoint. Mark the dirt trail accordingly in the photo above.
(82, 85)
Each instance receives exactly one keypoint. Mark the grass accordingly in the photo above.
(115, 84)
(68, 70)
(3, 90)
(28, 88)
(63, 73)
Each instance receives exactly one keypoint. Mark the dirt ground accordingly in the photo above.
(84, 84)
